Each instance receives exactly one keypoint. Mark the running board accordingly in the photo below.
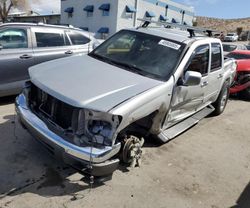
(177, 129)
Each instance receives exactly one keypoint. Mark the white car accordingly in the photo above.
(231, 37)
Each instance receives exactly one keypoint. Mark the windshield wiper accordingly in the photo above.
(102, 58)
(131, 68)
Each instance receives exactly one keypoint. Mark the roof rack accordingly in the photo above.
(190, 29)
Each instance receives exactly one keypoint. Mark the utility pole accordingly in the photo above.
(182, 17)
(166, 13)
(135, 14)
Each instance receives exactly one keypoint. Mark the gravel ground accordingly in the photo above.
(208, 166)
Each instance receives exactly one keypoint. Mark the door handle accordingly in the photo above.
(25, 56)
(220, 76)
(204, 84)
(69, 52)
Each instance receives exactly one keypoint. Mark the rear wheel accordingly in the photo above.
(221, 102)
(245, 94)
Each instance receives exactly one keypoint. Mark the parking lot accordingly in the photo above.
(207, 166)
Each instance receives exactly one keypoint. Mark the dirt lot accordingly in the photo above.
(207, 166)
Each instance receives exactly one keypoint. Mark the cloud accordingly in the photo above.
(45, 6)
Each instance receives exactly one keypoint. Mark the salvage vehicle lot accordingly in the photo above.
(208, 166)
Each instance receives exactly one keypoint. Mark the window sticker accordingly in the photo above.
(169, 44)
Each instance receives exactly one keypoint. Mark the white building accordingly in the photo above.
(105, 17)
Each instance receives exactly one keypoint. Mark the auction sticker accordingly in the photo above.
(169, 44)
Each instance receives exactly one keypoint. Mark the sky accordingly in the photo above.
(46, 6)
(226, 9)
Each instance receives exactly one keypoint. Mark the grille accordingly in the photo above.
(52, 109)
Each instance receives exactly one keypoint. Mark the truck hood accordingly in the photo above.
(85, 82)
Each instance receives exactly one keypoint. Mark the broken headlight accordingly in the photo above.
(97, 127)
(102, 132)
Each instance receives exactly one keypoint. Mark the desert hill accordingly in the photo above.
(225, 25)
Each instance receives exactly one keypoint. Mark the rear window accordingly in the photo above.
(49, 39)
(238, 56)
(229, 48)
(216, 62)
(78, 38)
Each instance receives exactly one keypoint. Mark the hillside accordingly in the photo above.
(225, 25)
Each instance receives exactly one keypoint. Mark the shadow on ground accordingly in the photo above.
(28, 167)
(244, 199)
(7, 100)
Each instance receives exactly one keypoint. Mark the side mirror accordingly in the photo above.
(192, 78)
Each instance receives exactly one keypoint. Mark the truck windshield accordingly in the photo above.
(141, 53)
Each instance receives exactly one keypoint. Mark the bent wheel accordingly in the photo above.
(132, 151)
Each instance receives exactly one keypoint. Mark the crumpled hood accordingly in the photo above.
(85, 82)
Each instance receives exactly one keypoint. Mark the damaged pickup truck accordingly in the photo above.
(93, 110)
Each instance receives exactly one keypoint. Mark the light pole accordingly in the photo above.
(182, 16)
(135, 14)
(166, 13)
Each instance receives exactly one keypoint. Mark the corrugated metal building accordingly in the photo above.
(105, 17)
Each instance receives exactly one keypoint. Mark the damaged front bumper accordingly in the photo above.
(91, 160)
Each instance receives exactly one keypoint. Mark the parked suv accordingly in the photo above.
(23, 45)
(231, 37)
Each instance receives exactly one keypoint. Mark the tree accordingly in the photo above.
(6, 5)
(239, 30)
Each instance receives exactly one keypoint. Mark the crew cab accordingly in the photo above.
(95, 110)
(23, 45)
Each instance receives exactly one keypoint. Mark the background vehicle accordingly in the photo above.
(161, 83)
(239, 54)
(231, 47)
(248, 47)
(23, 45)
(232, 37)
(241, 83)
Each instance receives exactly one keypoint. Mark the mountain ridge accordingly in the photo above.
(225, 25)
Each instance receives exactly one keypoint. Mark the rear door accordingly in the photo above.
(188, 99)
(16, 56)
(216, 73)
(49, 44)
(81, 43)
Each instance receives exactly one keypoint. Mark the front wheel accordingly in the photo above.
(221, 102)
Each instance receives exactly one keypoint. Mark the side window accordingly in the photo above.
(49, 39)
(78, 38)
(105, 13)
(216, 62)
(200, 60)
(13, 38)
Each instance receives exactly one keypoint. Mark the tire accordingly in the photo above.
(245, 94)
(221, 102)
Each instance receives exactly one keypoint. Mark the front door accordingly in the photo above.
(80, 43)
(188, 99)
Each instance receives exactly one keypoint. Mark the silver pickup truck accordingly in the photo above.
(94, 110)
